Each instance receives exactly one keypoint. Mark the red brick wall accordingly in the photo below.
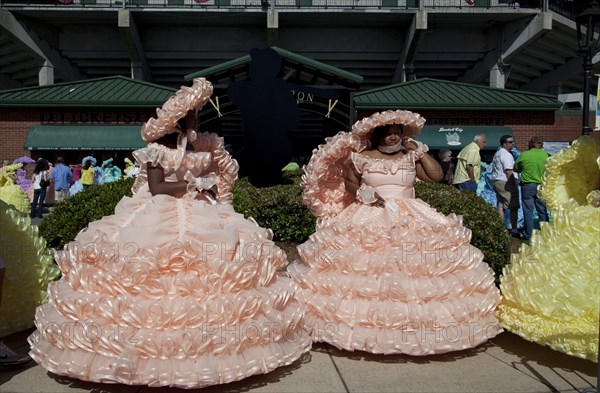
(14, 125)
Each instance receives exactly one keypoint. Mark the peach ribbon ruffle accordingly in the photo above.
(324, 192)
(411, 122)
(402, 281)
(175, 108)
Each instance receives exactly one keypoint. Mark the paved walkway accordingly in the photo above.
(506, 364)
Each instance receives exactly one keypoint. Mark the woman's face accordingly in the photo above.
(391, 136)
(448, 157)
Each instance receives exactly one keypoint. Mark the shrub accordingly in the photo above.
(489, 234)
(69, 217)
(279, 208)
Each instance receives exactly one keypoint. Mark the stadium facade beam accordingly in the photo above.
(414, 35)
(49, 58)
(140, 69)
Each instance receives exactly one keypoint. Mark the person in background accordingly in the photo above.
(40, 180)
(468, 166)
(110, 172)
(61, 177)
(447, 165)
(76, 170)
(550, 288)
(10, 192)
(531, 165)
(129, 166)
(26, 268)
(505, 184)
(50, 195)
(88, 174)
(22, 180)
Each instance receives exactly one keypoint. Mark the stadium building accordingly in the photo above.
(77, 71)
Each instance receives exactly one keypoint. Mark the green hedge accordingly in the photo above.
(281, 209)
(488, 231)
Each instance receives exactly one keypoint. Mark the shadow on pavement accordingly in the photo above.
(400, 358)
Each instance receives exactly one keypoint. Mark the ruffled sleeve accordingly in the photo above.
(324, 179)
(222, 164)
(358, 162)
(158, 154)
(155, 154)
(420, 151)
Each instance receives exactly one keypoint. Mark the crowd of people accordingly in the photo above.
(513, 179)
(211, 298)
(52, 183)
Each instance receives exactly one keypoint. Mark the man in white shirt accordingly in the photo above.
(505, 183)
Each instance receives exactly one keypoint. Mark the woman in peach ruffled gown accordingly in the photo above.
(384, 272)
(175, 288)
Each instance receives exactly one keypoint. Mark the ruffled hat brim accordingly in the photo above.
(186, 99)
(89, 158)
(411, 122)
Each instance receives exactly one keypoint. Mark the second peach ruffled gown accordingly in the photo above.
(399, 279)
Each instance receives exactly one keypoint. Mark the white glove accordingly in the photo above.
(366, 195)
(199, 184)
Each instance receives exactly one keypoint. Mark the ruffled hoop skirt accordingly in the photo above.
(29, 269)
(400, 279)
(552, 286)
(169, 292)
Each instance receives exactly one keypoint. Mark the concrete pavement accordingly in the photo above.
(505, 364)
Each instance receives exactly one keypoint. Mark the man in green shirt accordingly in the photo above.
(468, 166)
(531, 165)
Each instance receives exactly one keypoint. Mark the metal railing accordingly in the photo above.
(406, 4)
(567, 8)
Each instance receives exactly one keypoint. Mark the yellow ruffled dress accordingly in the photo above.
(10, 192)
(551, 288)
(29, 269)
